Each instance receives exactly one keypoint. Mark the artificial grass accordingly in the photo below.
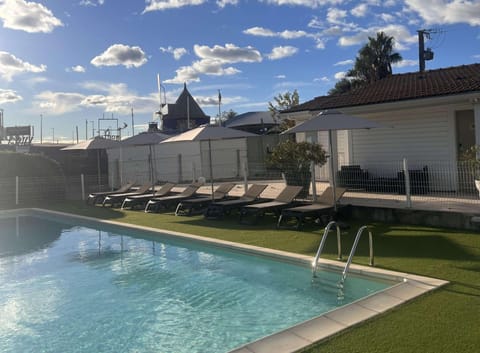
(443, 321)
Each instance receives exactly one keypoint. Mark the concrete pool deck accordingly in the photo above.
(304, 334)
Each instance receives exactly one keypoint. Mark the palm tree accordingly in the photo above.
(374, 62)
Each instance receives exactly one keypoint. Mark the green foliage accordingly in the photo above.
(283, 102)
(291, 156)
(27, 165)
(374, 62)
(227, 115)
(471, 156)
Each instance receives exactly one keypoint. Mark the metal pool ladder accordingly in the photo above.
(352, 252)
(322, 244)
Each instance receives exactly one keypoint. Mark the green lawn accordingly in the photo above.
(446, 320)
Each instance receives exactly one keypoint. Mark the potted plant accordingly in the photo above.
(472, 158)
(294, 159)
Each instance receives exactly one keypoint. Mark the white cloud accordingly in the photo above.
(212, 60)
(281, 77)
(406, 63)
(10, 66)
(230, 53)
(447, 12)
(9, 96)
(77, 68)
(344, 62)
(108, 97)
(119, 54)
(282, 52)
(223, 3)
(91, 2)
(321, 79)
(401, 34)
(26, 16)
(265, 32)
(57, 103)
(307, 3)
(359, 10)
(335, 15)
(160, 5)
(386, 17)
(339, 75)
(176, 52)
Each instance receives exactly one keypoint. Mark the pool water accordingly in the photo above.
(97, 288)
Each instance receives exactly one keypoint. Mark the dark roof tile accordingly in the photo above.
(414, 85)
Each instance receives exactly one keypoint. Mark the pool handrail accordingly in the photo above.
(354, 247)
(322, 244)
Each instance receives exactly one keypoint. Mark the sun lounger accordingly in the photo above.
(197, 205)
(218, 209)
(323, 205)
(283, 200)
(141, 200)
(117, 198)
(98, 197)
(164, 203)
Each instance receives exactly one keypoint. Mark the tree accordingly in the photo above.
(374, 62)
(227, 115)
(282, 102)
(293, 159)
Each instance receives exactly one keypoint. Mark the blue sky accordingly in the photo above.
(79, 60)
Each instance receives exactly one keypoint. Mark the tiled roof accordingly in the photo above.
(251, 118)
(401, 87)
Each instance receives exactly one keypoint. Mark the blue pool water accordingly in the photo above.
(97, 288)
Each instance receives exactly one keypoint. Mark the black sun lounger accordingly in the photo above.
(117, 199)
(164, 203)
(141, 200)
(218, 209)
(323, 205)
(283, 200)
(98, 197)
(198, 205)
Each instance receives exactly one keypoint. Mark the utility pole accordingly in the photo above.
(219, 108)
(41, 128)
(133, 125)
(423, 55)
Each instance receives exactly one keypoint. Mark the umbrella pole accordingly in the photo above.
(211, 167)
(99, 175)
(332, 171)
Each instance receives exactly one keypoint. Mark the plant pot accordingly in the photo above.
(477, 185)
(299, 178)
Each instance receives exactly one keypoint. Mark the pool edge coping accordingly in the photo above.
(317, 329)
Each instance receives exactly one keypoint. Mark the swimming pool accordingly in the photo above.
(74, 286)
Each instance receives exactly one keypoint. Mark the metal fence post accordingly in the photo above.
(16, 190)
(179, 168)
(82, 182)
(245, 175)
(194, 172)
(407, 183)
(314, 181)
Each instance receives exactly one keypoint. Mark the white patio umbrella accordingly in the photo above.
(332, 120)
(147, 139)
(209, 133)
(97, 143)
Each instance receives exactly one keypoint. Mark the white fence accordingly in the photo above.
(442, 184)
